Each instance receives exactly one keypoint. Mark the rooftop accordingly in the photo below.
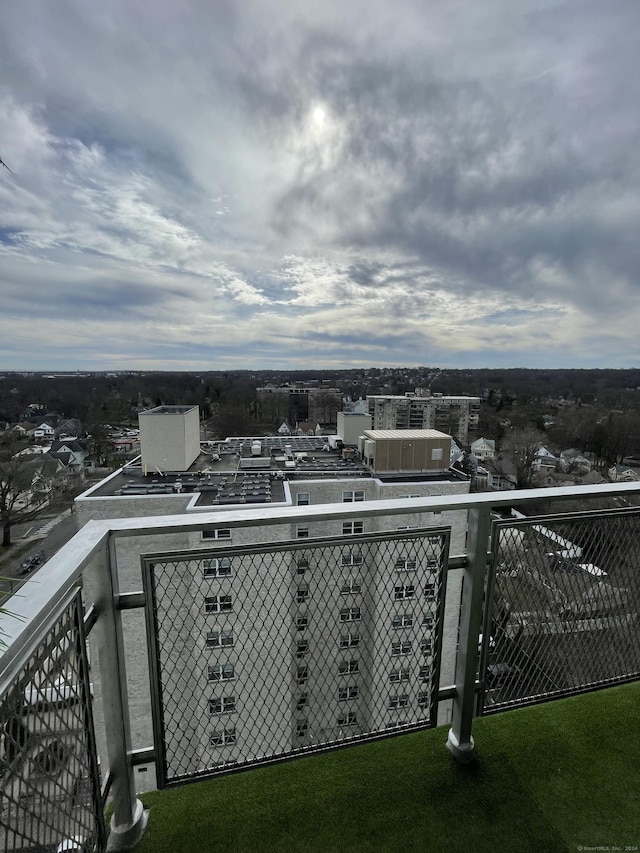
(228, 472)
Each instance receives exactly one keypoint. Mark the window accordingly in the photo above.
(348, 666)
(350, 586)
(349, 719)
(400, 647)
(349, 641)
(220, 672)
(216, 567)
(353, 496)
(349, 528)
(223, 533)
(218, 639)
(302, 727)
(430, 590)
(406, 564)
(423, 698)
(303, 565)
(427, 620)
(226, 737)
(222, 705)
(303, 698)
(302, 594)
(302, 531)
(217, 603)
(350, 614)
(402, 620)
(302, 622)
(400, 700)
(302, 648)
(433, 562)
(302, 673)
(399, 674)
(425, 672)
(351, 558)
(303, 499)
(426, 646)
(346, 693)
(402, 592)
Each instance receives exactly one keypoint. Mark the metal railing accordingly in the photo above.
(260, 652)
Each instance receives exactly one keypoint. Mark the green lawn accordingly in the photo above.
(550, 778)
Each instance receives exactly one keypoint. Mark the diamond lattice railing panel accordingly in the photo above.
(263, 653)
(565, 608)
(49, 775)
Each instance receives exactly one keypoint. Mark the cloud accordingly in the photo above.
(288, 184)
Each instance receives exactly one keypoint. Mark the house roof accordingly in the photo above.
(73, 445)
(490, 442)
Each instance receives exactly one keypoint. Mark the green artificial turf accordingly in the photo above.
(548, 778)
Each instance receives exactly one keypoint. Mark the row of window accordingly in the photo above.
(403, 673)
(224, 638)
(404, 647)
(350, 718)
(220, 567)
(227, 704)
(405, 620)
(349, 528)
(401, 700)
(221, 603)
(353, 586)
(354, 495)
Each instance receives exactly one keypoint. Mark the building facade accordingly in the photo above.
(456, 416)
(298, 403)
(346, 627)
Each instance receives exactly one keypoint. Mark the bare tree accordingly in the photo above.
(522, 446)
(17, 475)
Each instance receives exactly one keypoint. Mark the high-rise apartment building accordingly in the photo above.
(457, 416)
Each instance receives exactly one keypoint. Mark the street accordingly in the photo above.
(45, 535)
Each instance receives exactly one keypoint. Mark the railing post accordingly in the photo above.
(460, 742)
(129, 818)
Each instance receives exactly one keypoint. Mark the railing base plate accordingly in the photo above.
(124, 837)
(464, 753)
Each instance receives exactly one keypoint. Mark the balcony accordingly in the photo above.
(204, 659)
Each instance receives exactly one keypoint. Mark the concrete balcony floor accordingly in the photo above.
(562, 776)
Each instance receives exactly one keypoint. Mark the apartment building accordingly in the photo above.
(456, 416)
(337, 632)
(298, 403)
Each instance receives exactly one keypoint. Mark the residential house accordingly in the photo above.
(544, 461)
(72, 452)
(572, 460)
(623, 474)
(483, 448)
(44, 433)
(70, 428)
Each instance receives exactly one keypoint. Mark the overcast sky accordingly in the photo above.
(244, 184)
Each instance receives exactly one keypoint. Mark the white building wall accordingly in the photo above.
(169, 439)
(271, 646)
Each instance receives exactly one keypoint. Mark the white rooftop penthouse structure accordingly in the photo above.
(169, 438)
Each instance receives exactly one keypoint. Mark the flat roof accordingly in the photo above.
(227, 473)
(405, 433)
(168, 410)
